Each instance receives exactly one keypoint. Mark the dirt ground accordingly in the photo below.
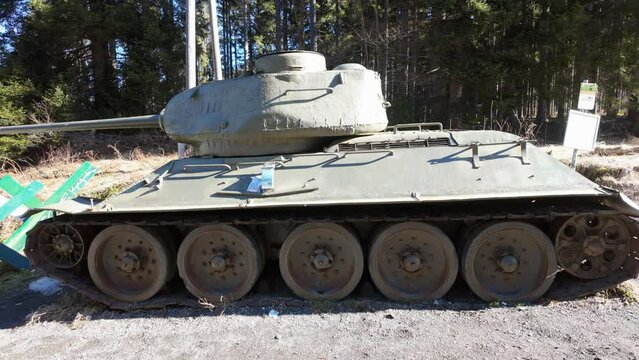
(590, 328)
(602, 326)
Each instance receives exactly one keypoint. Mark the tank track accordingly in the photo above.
(544, 213)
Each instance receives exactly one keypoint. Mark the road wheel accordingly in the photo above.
(508, 261)
(219, 262)
(412, 262)
(321, 261)
(130, 263)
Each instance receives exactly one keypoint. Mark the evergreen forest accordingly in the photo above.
(501, 64)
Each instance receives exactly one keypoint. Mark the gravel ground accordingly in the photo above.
(595, 327)
(589, 328)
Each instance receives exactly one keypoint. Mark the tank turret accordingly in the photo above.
(292, 104)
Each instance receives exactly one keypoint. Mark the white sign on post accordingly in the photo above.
(581, 130)
(587, 96)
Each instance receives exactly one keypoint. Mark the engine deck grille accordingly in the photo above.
(440, 141)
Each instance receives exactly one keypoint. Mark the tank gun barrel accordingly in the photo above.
(133, 122)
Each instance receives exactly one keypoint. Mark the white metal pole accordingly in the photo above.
(217, 57)
(191, 79)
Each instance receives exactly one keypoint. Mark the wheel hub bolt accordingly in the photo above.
(218, 262)
(412, 262)
(508, 263)
(321, 259)
(63, 244)
(128, 262)
(594, 245)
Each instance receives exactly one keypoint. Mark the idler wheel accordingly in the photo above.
(130, 263)
(508, 261)
(592, 246)
(412, 262)
(219, 262)
(61, 246)
(321, 261)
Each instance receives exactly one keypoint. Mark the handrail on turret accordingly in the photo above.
(419, 126)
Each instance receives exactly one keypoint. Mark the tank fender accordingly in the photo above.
(72, 206)
(622, 203)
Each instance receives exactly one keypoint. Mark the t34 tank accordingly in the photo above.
(297, 163)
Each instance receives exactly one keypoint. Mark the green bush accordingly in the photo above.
(20, 103)
(15, 96)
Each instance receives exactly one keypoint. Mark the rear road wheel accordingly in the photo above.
(593, 246)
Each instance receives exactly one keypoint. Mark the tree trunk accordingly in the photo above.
(406, 66)
(385, 61)
(233, 48)
(287, 15)
(103, 85)
(337, 29)
(414, 53)
(365, 61)
(104, 90)
(300, 11)
(376, 44)
(225, 31)
(313, 25)
(278, 25)
(633, 114)
(247, 26)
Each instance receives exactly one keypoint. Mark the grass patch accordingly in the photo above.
(599, 173)
(112, 190)
(71, 307)
(11, 279)
(626, 292)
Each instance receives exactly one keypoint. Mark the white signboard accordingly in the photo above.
(587, 96)
(581, 130)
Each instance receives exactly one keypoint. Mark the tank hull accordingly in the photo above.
(383, 176)
(465, 187)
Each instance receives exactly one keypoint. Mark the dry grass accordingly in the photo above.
(8, 226)
(10, 165)
(615, 166)
(616, 150)
(121, 160)
(113, 175)
(71, 307)
(64, 154)
(627, 291)
(624, 179)
(220, 305)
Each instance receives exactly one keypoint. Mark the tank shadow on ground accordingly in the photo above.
(272, 294)
(17, 305)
